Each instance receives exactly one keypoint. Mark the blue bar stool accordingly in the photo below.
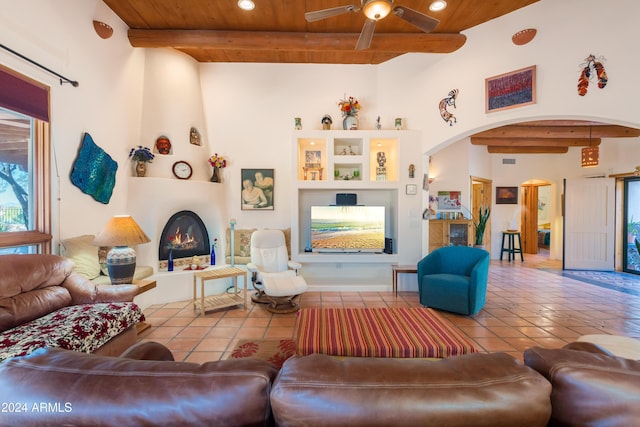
(510, 249)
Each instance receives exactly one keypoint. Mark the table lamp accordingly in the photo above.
(121, 232)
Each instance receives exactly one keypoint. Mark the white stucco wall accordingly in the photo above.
(249, 108)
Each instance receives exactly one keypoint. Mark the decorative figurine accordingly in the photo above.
(412, 170)
(298, 123)
(326, 122)
(378, 126)
(398, 124)
(194, 136)
(381, 170)
(450, 100)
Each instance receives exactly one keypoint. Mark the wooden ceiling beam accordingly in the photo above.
(517, 131)
(536, 142)
(526, 150)
(294, 41)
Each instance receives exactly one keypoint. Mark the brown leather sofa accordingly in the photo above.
(34, 289)
(591, 387)
(58, 387)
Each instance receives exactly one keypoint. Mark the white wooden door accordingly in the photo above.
(589, 224)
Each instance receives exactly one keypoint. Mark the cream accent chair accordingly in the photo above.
(273, 275)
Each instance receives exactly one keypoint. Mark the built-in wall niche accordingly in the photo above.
(312, 159)
(325, 197)
(347, 147)
(383, 158)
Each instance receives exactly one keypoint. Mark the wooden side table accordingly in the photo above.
(396, 269)
(212, 302)
(144, 285)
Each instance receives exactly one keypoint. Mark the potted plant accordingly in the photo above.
(480, 224)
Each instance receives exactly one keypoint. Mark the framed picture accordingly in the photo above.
(511, 90)
(449, 200)
(506, 195)
(256, 192)
(411, 189)
(312, 158)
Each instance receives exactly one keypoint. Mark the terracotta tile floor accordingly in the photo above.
(526, 306)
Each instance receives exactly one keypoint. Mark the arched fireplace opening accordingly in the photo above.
(186, 235)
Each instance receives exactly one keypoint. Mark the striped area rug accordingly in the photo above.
(378, 332)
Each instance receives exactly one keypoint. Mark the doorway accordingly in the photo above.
(536, 217)
(631, 223)
(481, 196)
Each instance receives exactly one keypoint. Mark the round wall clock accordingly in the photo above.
(182, 170)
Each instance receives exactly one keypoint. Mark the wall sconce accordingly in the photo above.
(121, 232)
(103, 30)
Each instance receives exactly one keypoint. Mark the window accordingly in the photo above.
(25, 182)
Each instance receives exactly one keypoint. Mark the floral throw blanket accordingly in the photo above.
(83, 328)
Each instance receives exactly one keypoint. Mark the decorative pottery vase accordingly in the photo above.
(141, 168)
(215, 177)
(170, 261)
(213, 255)
(350, 122)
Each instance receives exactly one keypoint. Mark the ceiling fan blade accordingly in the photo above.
(328, 13)
(418, 19)
(364, 41)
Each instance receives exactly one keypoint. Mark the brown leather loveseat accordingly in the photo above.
(43, 303)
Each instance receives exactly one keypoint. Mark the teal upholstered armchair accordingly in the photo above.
(454, 278)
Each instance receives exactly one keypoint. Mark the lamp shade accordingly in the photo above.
(121, 232)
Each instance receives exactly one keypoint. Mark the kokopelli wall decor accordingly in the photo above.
(450, 100)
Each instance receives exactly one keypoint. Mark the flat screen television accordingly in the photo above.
(347, 228)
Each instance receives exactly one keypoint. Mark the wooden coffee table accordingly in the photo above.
(226, 299)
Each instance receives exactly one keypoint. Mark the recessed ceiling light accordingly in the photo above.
(246, 4)
(437, 6)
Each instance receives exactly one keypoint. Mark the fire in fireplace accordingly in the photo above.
(186, 235)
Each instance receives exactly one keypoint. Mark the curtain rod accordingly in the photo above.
(63, 79)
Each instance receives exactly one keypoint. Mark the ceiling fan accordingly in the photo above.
(376, 10)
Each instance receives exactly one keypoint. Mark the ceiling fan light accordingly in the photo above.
(437, 6)
(377, 9)
(246, 4)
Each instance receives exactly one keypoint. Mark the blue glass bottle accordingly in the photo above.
(170, 261)
(213, 255)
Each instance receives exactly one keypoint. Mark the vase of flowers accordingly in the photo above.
(218, 162)
(141, 155)
(349, 108)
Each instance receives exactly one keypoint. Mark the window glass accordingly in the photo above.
(16, 184)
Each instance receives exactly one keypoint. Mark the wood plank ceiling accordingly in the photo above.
(549, 136)
(276, 31)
